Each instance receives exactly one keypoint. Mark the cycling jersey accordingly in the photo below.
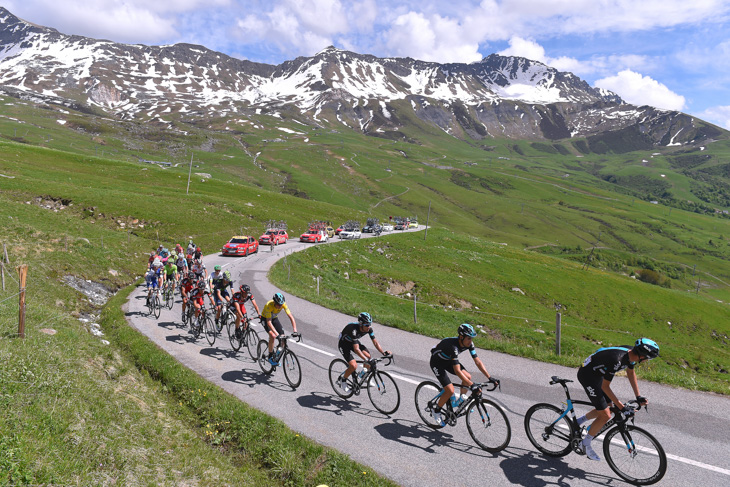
(181, 263)
(605, 362)
(187, 285)
(238, 298)
(215, 278)
(449, 349)
(270, 311)
(170, 270)
(198, 269)
(351, 333)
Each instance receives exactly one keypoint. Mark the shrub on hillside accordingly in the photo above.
(653, 277)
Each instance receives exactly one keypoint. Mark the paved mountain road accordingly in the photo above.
(693, 427)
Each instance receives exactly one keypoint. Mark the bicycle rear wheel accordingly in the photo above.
(170, 297)
(262, 352)
(196, 325)
(292, 369)
(427, 394)
(251, 339)
(383, 392)
(210, 330)
(337, 369)
(635, 455)
(236, 340)
(548, 434)
(488, 425)
(157, 306)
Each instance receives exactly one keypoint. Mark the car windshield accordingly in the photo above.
(270, 232)
(238, 240)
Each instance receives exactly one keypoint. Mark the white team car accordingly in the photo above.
(350, 234)
(387, 227)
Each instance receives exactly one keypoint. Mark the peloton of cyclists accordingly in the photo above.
(445, 360)
(349, 343)
(239, 301)
(596, 375)
(273, 326)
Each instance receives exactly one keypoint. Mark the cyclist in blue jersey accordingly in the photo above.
(445, 360)
(596, 375)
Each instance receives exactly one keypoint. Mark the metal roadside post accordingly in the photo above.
(22, 273)
(415, 315)
(558, 318)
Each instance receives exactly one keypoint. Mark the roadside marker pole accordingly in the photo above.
(558, 319)
(317, 285)
(189, 173)
(22, 273)
(427, 217)
(415, 315)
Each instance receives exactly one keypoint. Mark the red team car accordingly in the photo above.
(273, 237)
(240, 245)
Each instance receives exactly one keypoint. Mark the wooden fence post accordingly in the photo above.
(22, 272)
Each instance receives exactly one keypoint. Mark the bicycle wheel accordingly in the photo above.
(427, 394)
(184, 316)
(236, 341)
(545, 432)
(157, 306)
(210, 330)
(383, 392)
(635, 455)
(338, 368)
(262, 352)
(170, 297)
(196, 325)
(292, 369)
(488, 425)
(251, 339)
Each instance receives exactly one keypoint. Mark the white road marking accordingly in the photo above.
(315, 349)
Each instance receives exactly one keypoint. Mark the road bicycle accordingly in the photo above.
(202, 324)
(634, 454)
(382, 389)
(168, 293)
(245, 335)
(283, 355)
(485, 419)
(153, 304)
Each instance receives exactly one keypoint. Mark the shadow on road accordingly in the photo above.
(422, 437)
(218, 353)
(170, 325)
(244, 377)
(180, 339)
(331, 403)
(535, 470)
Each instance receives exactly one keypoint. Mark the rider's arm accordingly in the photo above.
(606, 387)
(633, 380)
(293, 323)
(255, 306)
(376, 343)
(481, 367)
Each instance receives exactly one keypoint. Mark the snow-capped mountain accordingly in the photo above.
(498, 96)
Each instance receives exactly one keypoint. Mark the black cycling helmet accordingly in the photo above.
(227, 275)
(245, 289)
(201, 284)
(645, 347)
(364, 319)
(466, 329)
(279, 299)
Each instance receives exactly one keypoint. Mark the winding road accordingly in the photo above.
(693, 427)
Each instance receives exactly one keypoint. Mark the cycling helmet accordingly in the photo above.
(201, 284)
(217, 268)
(227, 275)
(466, 329)
(364, 319)
(279, 299)
(156, 263)
(645, 347)
(245, 289)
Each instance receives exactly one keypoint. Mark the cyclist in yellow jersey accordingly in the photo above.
(270, 313)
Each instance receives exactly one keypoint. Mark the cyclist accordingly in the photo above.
(178, 249)
(198, 270)
(163, 253)
(153, 278)
(596, 375)
(215, 276)
(198, 254)
(191, 247)
(186, 288)
(271, 313)
(445, 358)
(349, 342)
(239, 301)
(182, 264)
(220, 292)
(170, 271)
(198, 294)
(153, 256)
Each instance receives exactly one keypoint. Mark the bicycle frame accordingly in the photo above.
(451, 414)
(358, 384)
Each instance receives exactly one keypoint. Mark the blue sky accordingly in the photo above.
(672, 54)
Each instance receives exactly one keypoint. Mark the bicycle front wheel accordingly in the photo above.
(337, 369)
(635, 455)
(262, 352)
(210, 330)
(170, 297)
(292, 369)
(488, 425)
(251, 339)
(427, 394)
(236, 339)
(548, 434)
(383, 392)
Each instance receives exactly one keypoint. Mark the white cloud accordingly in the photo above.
(719, 115)
(431, 38)
(642, 90)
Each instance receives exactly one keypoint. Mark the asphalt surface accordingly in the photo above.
(693, 427)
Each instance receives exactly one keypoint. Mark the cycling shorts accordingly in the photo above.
(442, 368)
(224, 294)
(277, 326)
(347, 349)
(152, 282)
(593, 385)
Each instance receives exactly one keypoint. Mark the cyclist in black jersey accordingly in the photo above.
(596, 375)
(445, 360)
(349, 343)
(220, 292)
